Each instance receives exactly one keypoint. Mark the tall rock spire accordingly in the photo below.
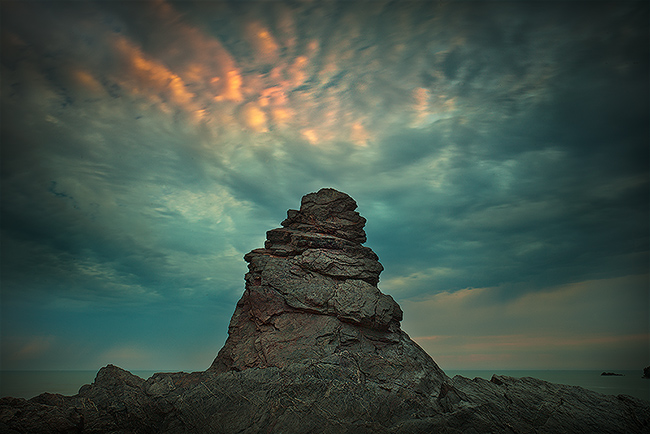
(311, 296)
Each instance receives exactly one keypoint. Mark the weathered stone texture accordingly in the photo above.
(311, 297)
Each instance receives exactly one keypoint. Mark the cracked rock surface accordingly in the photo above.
(315, 347)
(311, 296)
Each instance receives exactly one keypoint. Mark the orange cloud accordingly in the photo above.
(254, 117)
(297, 72)
(231, 89)
(310, 135)
(189, 70)
(421, 96)
(359, 135)
(87, 81)
(150, 77)
(186, 69)
(263, 42)
(205, 76)
(281, 116)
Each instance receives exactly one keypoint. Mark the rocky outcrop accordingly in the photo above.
(528, 405)
(315, 347)
(311, 296)
(319, 398)
(646, 372)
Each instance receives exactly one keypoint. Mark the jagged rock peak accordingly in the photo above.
(328, 211)
(312, 297)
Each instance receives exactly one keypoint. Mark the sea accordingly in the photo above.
(27, 384)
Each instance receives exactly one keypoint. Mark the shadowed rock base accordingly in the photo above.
(315, 347)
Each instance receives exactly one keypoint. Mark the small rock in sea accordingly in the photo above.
(646, 372)
(612, 374)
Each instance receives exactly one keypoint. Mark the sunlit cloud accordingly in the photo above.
(231, 89)
(537, 352)
(553, 322)
(254, 118)
(263, 42)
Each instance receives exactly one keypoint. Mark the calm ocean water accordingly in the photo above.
(27, 384)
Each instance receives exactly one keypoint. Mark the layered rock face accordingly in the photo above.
(311, 296)
(315, 347)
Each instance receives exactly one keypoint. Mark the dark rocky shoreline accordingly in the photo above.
(315, 347)
(319, 398)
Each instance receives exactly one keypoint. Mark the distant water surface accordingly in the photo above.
(27, 384)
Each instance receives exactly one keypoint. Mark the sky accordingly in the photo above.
(499, 151)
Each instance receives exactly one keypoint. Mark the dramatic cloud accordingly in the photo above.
(498, 150)
(580, 321)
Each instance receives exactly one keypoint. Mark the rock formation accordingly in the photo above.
(315, 347)
(311, 296)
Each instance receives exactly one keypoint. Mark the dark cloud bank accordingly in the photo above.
(500, 148)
